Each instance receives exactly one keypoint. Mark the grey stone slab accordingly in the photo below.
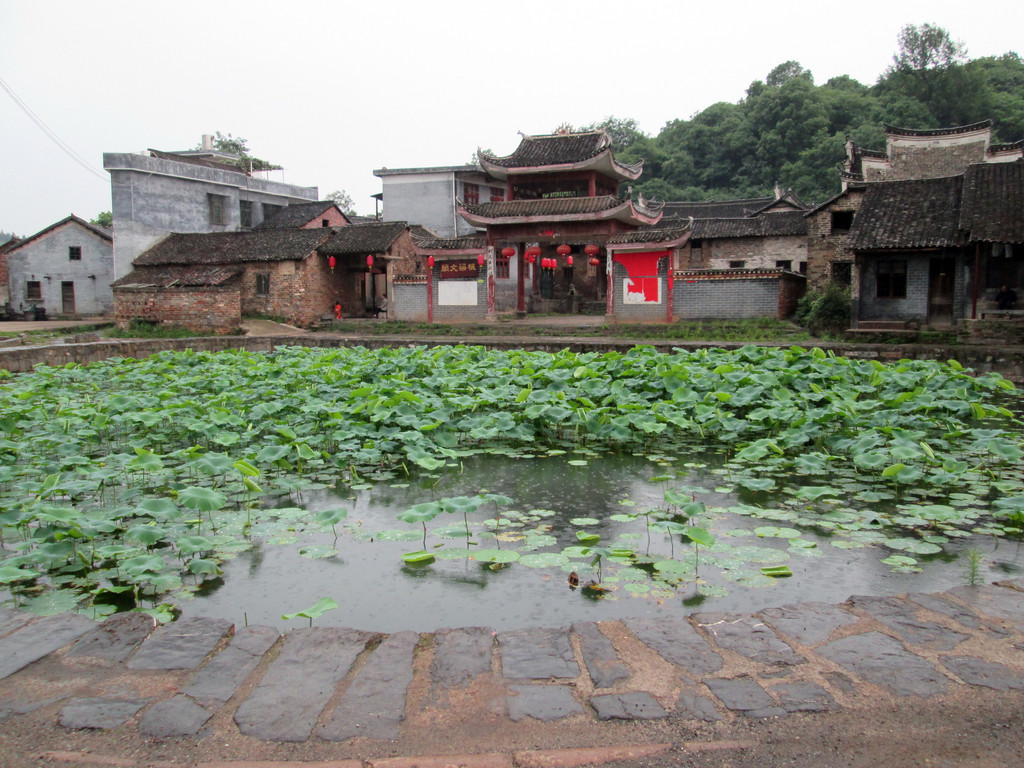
(745, 696)
(750, 637)
(804, 697)
(599, 655)
(24, 706)
(219, 678)
(627, 706)
(883, 661)
(182, 644)
(942, 604)
(981, 672)
(840, 681)
(677, 642)
(696, 707)
(116, 637)
(286, 703)
(177, 716)
(903, 618)
(460, 655)
(40, 638)
(537, 654)
(98, 713)
(542, 702)
(373, 706)
(12, 619)
(998, 602)
(808, 623)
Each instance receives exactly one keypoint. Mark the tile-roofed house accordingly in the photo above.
(322, 213)
(64, 269)
(993, 203)
(562, 209)
(209, 281)
(908, 214)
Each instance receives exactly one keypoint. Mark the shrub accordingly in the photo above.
(826, 312)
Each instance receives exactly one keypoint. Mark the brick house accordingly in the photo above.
(933, 252)
(210, 281)
(312, 215)
(65, 269)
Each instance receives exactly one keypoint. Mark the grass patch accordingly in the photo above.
(142, 330)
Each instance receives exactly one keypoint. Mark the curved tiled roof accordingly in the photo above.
(766, 225)
(177, 277)
(937, 131)
(993, 202)
(549, 206)
(648, 236)
(234, 247)
(716, 209)
(559, 149)
(908, 214)
(471, 242)
(363, 238)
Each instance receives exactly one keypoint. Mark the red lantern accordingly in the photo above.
(533, 251)
(508, 252)
(332, 262)
(563, 250)
(430, 261)
(594, 262)
(592, 250)
(369, 261)
(569, 261)
(479, 259)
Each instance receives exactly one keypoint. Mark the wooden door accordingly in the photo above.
(940, 291)
(67, 297)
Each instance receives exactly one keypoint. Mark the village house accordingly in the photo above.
(209, 281)
(155, 193)
(429, 196)
(64, 270)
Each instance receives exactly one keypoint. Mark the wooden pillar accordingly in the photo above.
(520, 281)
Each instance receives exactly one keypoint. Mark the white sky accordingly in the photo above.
(333, 89)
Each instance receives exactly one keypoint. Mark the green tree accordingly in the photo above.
(343, 200)
(240, 147)
(103, 219)
(623, 132)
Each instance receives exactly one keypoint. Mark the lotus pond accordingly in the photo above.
(420, 488)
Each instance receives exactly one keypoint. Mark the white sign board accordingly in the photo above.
(459, 293)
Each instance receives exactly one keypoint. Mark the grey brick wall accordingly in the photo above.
(912, 308)
(726, 298)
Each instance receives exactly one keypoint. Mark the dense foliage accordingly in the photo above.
(791, 131)
(126, 477)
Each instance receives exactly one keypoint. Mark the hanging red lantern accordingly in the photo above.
(594, 262)
(479, 259)
(332, 262)
(369, 261)
(563, 250)
(508, 252)
(533, 252)
(430, 261)
(532, 258)
(569, 261)
(592, 250)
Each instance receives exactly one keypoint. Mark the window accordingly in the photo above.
(269, 210)
(737, 264)
(784, 264)
(33, 291)
(471, 193)
(497, 195)
(891, 281)
(74, 253)
(842, 272)
(501, 268)
(245, 214)
(841, 221)
(325, 223)
(262, 283)
(216, 203)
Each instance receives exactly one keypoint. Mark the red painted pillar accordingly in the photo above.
(671, 283)
(610, 287)
(430, 291)
(520, 281)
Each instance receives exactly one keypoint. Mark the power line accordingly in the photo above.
(56, 139)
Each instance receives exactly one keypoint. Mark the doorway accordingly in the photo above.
(941, 282)
(67, 297)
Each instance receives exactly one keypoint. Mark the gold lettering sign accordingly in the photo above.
(451, 270)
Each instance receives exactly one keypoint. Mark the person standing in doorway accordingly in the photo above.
(381, 306)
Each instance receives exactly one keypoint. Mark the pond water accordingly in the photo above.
(361, 567)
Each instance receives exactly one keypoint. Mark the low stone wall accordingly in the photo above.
(1009, 362)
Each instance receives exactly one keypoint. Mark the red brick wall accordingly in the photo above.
(334, 219)
(825, 246)
(217, 310)
(300, 291)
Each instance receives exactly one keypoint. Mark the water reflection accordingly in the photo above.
(377, 591)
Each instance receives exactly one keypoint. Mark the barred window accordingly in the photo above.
(262, 283)
(891, 281)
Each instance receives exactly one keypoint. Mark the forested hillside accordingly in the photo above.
(791, 131)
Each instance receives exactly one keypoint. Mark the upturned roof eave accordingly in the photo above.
(625, 212)
(649, 245)
(603, 161)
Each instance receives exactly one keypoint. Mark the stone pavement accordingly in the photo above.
(334, 685)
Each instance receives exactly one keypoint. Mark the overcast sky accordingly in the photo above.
(332, 90)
